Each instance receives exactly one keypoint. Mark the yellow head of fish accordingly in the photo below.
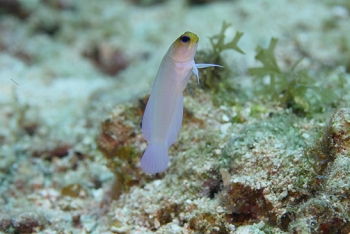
(184, 48)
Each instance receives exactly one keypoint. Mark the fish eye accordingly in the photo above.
(184, 39)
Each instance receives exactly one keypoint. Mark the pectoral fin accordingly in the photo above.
(202, 65)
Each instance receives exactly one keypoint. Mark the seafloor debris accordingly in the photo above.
(107, 59)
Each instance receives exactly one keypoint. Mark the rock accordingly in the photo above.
(341, 131)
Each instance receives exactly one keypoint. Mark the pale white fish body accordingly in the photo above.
(162, 119)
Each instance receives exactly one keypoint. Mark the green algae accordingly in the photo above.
(218, 42)
(218, 79)
(295, 89)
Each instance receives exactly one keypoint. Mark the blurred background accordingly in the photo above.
(65, 65)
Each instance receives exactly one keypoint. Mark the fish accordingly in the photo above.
(162, 119)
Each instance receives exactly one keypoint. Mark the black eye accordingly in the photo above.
(185, 39)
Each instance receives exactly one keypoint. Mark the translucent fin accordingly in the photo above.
(204, 65)
(155, 159)
(176, 121)
(147, 119)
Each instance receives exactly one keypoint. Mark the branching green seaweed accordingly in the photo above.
(293, 89)
(219, 45)
(215, 78)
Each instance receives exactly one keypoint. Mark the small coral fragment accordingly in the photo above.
(107, 59)
(74, 190)
(225, 176)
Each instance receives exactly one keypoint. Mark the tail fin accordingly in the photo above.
(155, 159)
